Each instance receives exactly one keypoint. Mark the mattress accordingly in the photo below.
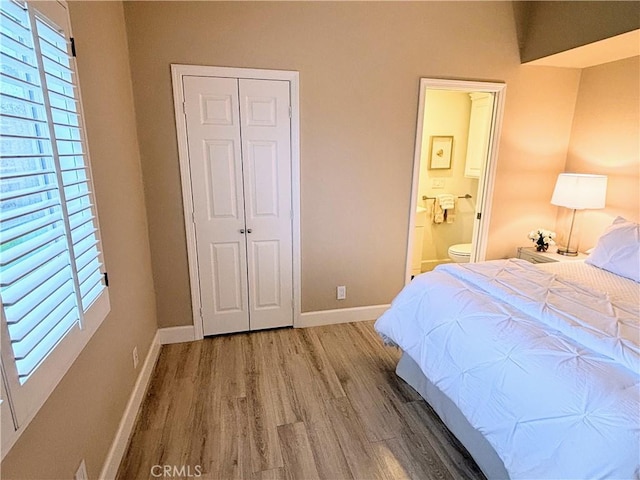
(544, 364)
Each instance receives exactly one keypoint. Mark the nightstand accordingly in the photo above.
(531, 255)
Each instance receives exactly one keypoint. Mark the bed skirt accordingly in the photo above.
(479, 448)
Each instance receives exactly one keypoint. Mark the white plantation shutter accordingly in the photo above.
(61, 92)
(50, 259)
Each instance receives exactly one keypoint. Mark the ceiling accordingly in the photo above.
(604, 51)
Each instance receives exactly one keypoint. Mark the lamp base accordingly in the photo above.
(568, 253)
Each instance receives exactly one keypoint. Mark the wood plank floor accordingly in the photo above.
(314, 403)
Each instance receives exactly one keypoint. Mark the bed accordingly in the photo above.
(534, 368)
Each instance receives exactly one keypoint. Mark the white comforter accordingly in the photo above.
(546, 370)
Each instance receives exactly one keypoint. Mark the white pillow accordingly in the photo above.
(618, 250)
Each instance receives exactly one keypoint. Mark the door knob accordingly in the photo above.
(248, 230)
(242, 230)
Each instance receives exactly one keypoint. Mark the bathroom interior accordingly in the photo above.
(454, 150)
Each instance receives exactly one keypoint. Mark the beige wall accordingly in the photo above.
(446, 113)
(605, 139)
(359, 65)
(556, 26)
(81, 417)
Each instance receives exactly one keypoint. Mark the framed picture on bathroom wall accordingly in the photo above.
(440, 152)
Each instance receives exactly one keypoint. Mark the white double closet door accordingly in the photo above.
(239, 144)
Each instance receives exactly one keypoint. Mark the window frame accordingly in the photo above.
(21, 402)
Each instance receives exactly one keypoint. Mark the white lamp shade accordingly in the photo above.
(580, 191)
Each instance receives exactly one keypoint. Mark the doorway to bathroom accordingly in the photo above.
(457, 136)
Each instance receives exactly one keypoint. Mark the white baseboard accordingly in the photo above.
(121, 440)
(342, 315)
(181, 334)
(433, 263)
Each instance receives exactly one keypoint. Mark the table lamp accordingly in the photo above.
(578, 191)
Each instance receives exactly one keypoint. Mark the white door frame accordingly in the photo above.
(177, 74)
(486, 182)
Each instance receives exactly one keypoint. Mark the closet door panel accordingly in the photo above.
(220, 180)
(266, 274)
(215, 155)
(266, 146)
(263, 189)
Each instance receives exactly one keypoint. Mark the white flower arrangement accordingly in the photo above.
(542, 238)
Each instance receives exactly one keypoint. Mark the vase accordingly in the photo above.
(542, 248)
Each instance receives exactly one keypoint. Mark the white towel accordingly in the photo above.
(446, 201)
(450, 213)
(437, 214)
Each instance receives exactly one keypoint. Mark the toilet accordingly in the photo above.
(460, 253)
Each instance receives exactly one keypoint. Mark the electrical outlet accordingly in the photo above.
(81, 473)
(341, 292)
(135, 357)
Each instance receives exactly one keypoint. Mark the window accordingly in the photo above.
(52, 283)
